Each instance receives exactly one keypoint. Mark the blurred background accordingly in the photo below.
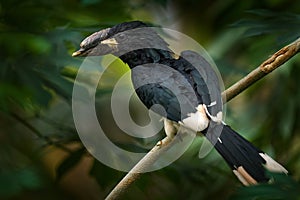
(41, 155)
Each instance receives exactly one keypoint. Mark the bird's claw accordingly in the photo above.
(164, 142)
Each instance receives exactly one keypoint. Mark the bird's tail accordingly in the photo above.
(247, 162)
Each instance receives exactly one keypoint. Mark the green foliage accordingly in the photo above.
(33, 54)
(36, 41)
(283, 25)
(14, 181)
(37, 74)
(281, 187)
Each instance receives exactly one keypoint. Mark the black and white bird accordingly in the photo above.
(186, 87)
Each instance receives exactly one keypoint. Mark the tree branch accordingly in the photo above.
(146, 162)
(276, 60)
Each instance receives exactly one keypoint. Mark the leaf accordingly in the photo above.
(282, 24)
(10, 93)
(281, 187)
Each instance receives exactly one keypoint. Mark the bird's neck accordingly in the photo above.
(144, 56)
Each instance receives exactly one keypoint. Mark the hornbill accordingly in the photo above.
(162, 77)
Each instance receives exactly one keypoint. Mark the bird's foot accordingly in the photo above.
(164, 141)
(170, 130)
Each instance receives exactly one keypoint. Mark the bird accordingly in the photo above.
(185, 87)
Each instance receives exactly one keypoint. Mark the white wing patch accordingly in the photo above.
(218, 118)
(197, 121)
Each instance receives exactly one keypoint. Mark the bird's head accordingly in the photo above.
(121, 39)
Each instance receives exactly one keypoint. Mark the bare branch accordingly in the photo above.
(276, 60)
(142, 165)
(145, 163)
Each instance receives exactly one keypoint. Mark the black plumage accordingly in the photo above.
(187, 77)
(179, 83)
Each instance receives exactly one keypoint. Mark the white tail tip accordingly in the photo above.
(272, 165)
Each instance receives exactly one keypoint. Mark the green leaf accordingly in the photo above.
(281, 187)
(282, 24)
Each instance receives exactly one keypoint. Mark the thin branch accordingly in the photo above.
(276, 60)
(146, 162)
